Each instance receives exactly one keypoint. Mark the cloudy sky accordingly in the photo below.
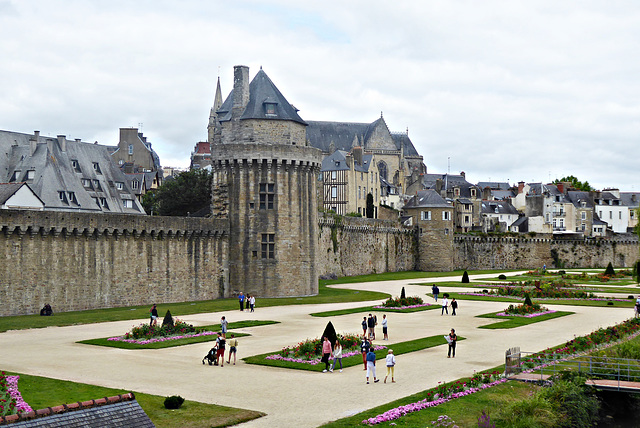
(503, 90)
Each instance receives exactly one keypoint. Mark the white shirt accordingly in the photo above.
(445, 302)
(391, 360)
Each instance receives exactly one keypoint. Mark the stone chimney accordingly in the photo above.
(240, 90)
(520, 187)
(62, 141)
(486, 193)
(463, 174)
(561, 188)
(33, 142)
(357, 154)
(439, 186)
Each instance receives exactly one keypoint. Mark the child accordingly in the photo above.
(391, 364)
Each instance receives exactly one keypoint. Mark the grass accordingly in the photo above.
(178, 342)
(394, 276)
(398, 349)
(41, 392)
(464, 411)
(367, 309)
(572, 302)
(513, 322)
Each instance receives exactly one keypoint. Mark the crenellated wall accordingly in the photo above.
(357, 246)
(86, 261)
(472, 252)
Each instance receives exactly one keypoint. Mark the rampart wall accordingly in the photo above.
(357, 246)
(472, 252)
(78, 261)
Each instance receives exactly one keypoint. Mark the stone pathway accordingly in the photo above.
(293, 398)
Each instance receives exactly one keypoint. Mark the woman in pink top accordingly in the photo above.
(326, 352)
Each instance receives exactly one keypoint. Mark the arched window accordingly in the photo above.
(382, 168)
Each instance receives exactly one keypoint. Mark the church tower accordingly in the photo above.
(217, 103)
(264, 182)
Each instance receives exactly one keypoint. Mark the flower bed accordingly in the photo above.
(603, 299)
(400, 302)
(146, 331)
(315, 361)
(441, 394)
(398, 308)
(162, 338)
(310, 350)
(11, 401)
(529, 315)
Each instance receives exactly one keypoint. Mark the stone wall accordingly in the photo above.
(77, 261)
(472, 252)
(358, 246)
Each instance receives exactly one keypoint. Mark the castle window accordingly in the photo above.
(267, 195)
(270, 109)
(425, 215)
(130, 149)
(268, 245)
(382, 168)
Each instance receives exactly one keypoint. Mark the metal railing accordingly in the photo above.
(615, 369)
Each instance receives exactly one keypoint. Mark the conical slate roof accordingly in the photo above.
(262, 91)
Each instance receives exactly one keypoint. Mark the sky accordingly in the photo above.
(503, 90)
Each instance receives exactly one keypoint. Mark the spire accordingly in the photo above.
(213, 115)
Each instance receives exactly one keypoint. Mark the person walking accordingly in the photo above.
(371, 365)
(391, 364)
(223, 326)
(384, 327)
(220, 342)
(241, 301)
(337, 355)
(445, 305)
(454, 306)
(453, 338)
(233, 348)
(252, 303)
(364, 326)
(247, 300)
(435, 291)
(326, 353)
(154, 315)
(364, 348)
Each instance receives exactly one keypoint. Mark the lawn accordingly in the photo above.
(41, 392)
(394, 276)
(572, 302)
(179, 342)
(367, 309)
(513, 322)
(398, 349)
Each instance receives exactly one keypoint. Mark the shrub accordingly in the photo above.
(609, 303)
(168, 320)
(465, 277)
(173, 402)
(402, 294)
(609, 271)
(562, 272)
(399, 301)
(576, 403)
(527, 300)
(502, 276)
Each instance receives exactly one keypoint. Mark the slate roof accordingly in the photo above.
(628, 198)
(346, 135)
(521, 222)
(7, 190)
(337, 161)
(429, 180)
(261, 91)
(498, 207)
(112, 412)
(502, 194)
(55, 170)
(427, 199)
(494, 185)
(576, 197)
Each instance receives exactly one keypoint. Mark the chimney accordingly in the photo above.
(633, 197)
(462, 173)
(62, 141)
(561, 187)
(520, 187)
(240, 90)
(78, 140)
(439, 186)
(357, 154)
(486, 193)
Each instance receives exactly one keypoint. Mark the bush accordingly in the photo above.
(173, 402)
(168, 320)
(527, 300)
(562, 272)
(502, 276)
(465, 277)
(399, 301)
(402, 294)
(609, 271)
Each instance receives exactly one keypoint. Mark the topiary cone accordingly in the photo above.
(330, 333)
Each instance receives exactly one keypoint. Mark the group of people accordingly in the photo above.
(445, 301)
(247, 302)
(46, 311)
(369, 361)
(369, 327)
(222, 342)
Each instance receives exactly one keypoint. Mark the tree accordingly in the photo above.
(465, 277)
(402, 294)
(575, 183)
(369, 205)
(609, 270)
(187, 193)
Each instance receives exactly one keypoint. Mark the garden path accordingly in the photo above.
(292, 398)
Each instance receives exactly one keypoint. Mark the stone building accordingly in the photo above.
(433, 218)
(134, 153)
(66, 175)
(265, 184)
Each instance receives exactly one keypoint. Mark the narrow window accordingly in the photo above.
(127, 203)
(119, 185)
(334, 192)
(96, 167)
(334, 175)
(268, 245)
(130, 149)
(267, 195)
(31, 174)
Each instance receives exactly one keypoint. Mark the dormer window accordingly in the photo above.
(31, 174)
(75, 165)
(15, 176)
(96, 167)
(86, 183)
(134, 184)
(119, 185)
(269, 108)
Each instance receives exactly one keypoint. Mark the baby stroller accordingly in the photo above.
(211, 356)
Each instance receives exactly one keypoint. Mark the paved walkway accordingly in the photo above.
(293, 398)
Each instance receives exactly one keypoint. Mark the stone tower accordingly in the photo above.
(264, 182)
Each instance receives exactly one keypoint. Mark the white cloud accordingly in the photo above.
(506, 90)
